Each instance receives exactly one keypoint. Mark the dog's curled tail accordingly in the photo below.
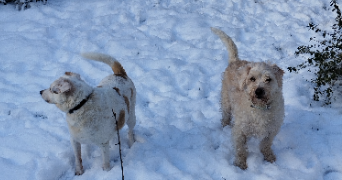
(228, 42)
(112, 62)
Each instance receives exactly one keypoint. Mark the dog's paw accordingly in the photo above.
(106, 167)
(242, 164)
(270, 157)
(79, 168)
(79, 172)
(131, 141)
(226, 122)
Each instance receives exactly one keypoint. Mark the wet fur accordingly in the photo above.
(252, 96)
(94, 122)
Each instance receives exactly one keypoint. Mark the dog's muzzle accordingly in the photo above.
(41, 93)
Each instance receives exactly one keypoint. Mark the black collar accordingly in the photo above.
(80, 104)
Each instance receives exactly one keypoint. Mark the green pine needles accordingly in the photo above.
(325, 56)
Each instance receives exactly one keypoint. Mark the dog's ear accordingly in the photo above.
(244, 74)
(279, 74)
(73, 74)
(62, 86)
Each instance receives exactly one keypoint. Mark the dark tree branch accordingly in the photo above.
(119, 142)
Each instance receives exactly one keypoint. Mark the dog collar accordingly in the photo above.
(266, 107)
(80, 104)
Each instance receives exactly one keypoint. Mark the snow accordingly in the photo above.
(175, 61)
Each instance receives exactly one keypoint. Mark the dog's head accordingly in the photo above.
(66, 91)
(262, 82)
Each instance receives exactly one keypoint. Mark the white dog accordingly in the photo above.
(92, 113)
(252, 94)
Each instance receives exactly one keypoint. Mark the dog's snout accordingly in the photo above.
(260, 92)
(41, 92)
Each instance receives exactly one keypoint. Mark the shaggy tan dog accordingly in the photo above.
(252, 94)
(93, 114)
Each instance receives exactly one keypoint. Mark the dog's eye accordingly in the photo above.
(268, 80)
(53, 91)
(252, 79)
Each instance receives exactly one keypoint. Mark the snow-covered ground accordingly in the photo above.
(168, 50)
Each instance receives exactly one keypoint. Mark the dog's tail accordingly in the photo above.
(229, 43)
(112, 62)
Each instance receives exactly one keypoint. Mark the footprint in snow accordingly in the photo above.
(332, 175)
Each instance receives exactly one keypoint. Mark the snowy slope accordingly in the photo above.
(168, 50)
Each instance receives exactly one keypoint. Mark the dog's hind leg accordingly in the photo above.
(132, 119)
(78, 160)
(265, 148)
(105, 156)
(131, 123)
(225, 106)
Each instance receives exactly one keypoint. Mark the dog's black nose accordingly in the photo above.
(260, 92)
(41, 92)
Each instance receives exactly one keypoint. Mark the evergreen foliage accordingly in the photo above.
(325, 56)
(21, 4)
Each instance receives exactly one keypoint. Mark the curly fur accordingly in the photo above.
(252, 95)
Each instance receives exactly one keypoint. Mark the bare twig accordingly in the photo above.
(117, 130)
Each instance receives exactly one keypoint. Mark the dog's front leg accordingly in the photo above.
(105, 156)
(240, 151)
(265, 148)
(78, 159)
(226, 118)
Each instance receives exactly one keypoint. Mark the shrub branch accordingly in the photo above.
(119, 142)
(325, 57)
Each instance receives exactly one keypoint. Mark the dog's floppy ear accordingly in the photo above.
(244, 74)
(62, 86)
(279, 74)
